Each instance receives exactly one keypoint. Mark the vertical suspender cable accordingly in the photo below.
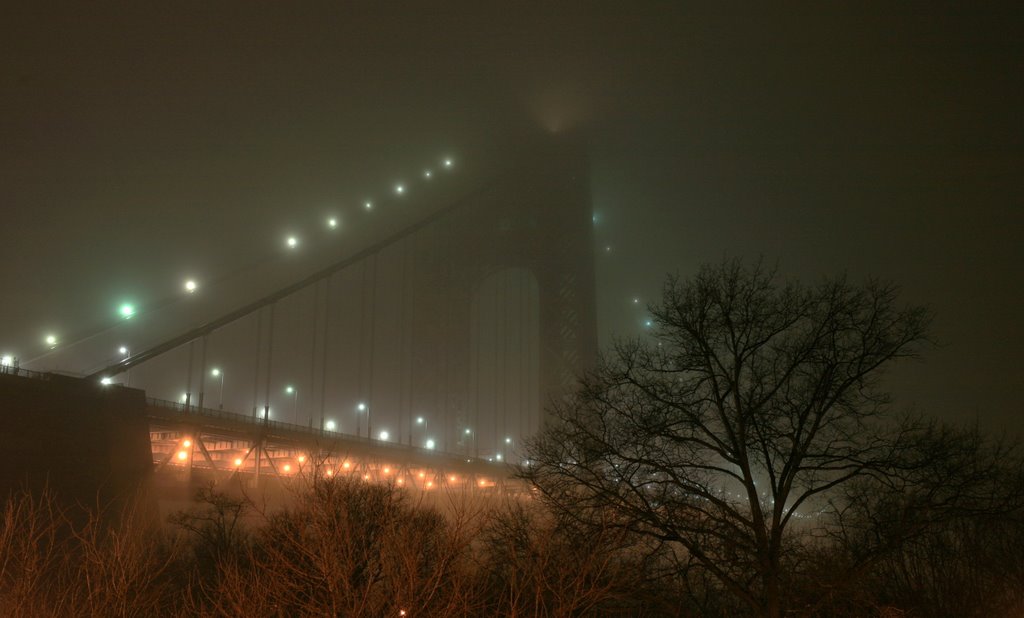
(202, 372)
(259, 353)
(373, 342)
(323, 360)
(312, 349)
(188, 380)
(270, 364)
(402, 360)
(362, 347)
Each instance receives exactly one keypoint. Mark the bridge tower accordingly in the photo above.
(521, 245)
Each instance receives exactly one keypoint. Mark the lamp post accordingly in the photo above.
(125, 352)
(217, 373)
(360, 408)
(294, 392)
(419, 421)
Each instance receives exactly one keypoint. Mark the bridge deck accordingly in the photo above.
(232, 442)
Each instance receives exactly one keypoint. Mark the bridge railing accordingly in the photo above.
(25, 373)
(190, 410)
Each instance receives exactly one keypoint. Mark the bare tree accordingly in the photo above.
(752, 403)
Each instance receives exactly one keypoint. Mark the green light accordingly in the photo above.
(127, 310)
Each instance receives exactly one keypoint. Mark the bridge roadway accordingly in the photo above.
(184, 439)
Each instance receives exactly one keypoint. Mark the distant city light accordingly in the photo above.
(51, 340)
(215, 372)
(419, 420)
(292, 242)
(430, 444)
(238, 461)
(289, 389)
(127, 310)
(190, 286)
(368, 205)
(468, 431)
(287, 468)
(187, 443)
(302, 458)
(508, 440)
(332, 223)
(123, 350)
(447, 162)
(498, 456)
(607, 248)
(184, 397)
(361, 407)
(182, 455)
(106, 381)
(426, 174)
(330, 425)
(636, 301)
(6, 360)
(399, 189)
(384, 435)
(648, 323)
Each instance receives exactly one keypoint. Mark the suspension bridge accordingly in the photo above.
(424, 357)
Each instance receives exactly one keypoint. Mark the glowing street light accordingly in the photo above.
(292, 242)
(51, 340)
(126, 310)
(384, 435)
(368, 205)
(332, 223)
(190, 286)
(106, 381)
(123, 350)
(430, 444)
(421, 421)
(400, 189)
(427, 174)
(217, 373)
(330, 425)
(294, 392)
(447, 162)
(361, 407)
(7, 360)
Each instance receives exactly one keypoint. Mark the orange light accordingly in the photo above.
(346, 465)
(182, 455)
(330, 473)
(482, 482)
(422, 475)
(452, 478)
(366, 477)
(430, 484)
(387, 470)
(187, 443)
(238, 461)
(302, 458)
(287, 468)
(400, 481)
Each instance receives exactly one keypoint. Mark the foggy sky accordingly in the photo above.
(141, 144)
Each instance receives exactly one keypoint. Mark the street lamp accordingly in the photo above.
(361, 407)
(330, 425)
(125, 352)
(384, 435)
(429, 443)
(294, 392)
(419, 421)
(217, 373)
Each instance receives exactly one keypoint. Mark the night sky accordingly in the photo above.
(141, 144)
